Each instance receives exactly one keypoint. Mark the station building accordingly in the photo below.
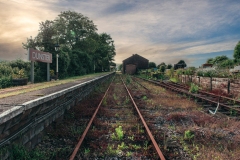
(132, 64)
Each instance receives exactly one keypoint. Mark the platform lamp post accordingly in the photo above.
(56, 49)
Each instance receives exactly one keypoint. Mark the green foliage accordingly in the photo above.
(12, 69)
(175, 80)
(162, 68)
(136, 147)
(104, 102)
(152, 65)
(76, 130)
(170, 72)
(82, 50)
(190, 71)
(122, 146)
(169, 66)
(5, 81)
(144, 98)
(111, 151)
(115, 97)
(236, 53)
(233, 112)
(126, 100)
(131, 137)
(219, 59)
(210, 61)
(21, 153)
(129, 154)
(212, 72)
(222, 62)
(5, 69)
(188, 135)
(119, 134)
(161, 64)
(86, 151)
(128, 79)
(226, 64)
(193, 88)
(52, 72)
(207, 73)
(182, 62)
(120, 67)
(179, 72)
(19, 73)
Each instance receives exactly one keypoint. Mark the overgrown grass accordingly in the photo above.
(202, 136)
(38, 86)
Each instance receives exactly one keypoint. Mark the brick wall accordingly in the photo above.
(24, 124)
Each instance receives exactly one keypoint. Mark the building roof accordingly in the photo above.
(135, 55)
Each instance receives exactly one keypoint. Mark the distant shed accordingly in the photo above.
(132, 64)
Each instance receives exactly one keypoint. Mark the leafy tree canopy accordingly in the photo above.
(152, 65)
(169, 66)
(236, 53)
(210, 61)
(182, 62)
(161, 64)
(82, 49)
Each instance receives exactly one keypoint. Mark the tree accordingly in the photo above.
(226, 63)
(151, 65)
(219, 59)
(120, 67)
(210, 61)
(182, 62)
(82, 49)
(169, 66)
(236, 53)
(162, 68)
(161, 64)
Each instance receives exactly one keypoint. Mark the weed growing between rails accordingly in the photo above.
(181, 122)
(114, 133)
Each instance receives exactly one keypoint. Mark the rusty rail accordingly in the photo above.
(87, 128)
(208, 97)
(146, 126)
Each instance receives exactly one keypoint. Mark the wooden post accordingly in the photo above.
(210, 83)
(228, 89)
(199, 80)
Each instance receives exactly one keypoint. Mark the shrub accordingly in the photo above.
(19, 73)
(5, 81)
(194, 88)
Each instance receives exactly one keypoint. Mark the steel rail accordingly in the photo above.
(207, 93)
(87, 128)
(228, 107)
(145, 125)
(199, 96)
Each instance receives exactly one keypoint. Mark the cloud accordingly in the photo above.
(162, 31)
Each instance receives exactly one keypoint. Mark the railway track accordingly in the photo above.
(224, 104)
(117, 129)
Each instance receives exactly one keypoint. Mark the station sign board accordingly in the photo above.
(35, 55)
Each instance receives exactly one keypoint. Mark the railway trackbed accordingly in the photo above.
(180, 127)
(226, 105)
(117, 129)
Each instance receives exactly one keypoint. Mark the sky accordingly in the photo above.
(159, 30)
